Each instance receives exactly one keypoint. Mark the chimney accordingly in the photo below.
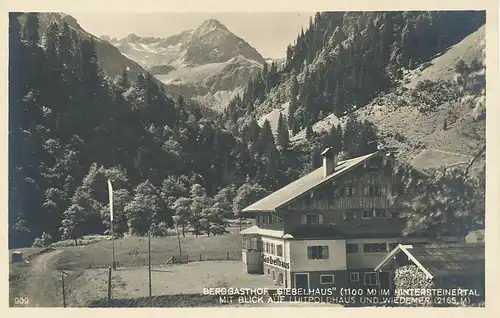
(329, 161)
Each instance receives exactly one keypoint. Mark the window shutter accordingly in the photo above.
(320, 218)
(353, 190)
(325, 251)
(304, 219)
(309, 252)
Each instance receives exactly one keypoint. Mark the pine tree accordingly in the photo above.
(200, 210)
(124, 82)
(351, 138)
(316, 158)
(282, 137)
(66, 47)
(251, 137)
(289, 54)
(309, 130)
(30, 31)
(369, 138)
(50, 39)
(266, 138)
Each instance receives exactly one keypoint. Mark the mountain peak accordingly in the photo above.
(211, 24)
(132, 37)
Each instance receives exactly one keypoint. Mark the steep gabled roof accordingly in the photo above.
(308, 182)
(438, 260)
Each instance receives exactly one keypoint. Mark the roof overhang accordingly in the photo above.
(255, 230)
(404, 249)
(351, 164)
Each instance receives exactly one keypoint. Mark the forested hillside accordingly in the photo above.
(344, 60)
(71, 128)
(368, 80)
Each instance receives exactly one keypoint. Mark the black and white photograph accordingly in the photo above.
(247, 159)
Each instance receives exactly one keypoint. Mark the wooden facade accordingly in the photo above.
(360, 196)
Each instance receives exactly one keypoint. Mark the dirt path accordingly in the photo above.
(43, 284)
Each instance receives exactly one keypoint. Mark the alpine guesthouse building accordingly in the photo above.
(331, 227)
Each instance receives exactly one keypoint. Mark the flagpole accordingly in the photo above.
(110, 190)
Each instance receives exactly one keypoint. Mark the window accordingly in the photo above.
(265, 219)
(383, 190)
(272, 249)
(280, 279)
(347, 190)
(266, 247)
(353, 190)
(336, 192)
(354, 277)
(317, 252)
(371, 279)
(372, 168)
(326, 279)
(312, 219)
(366, 190)
(279, 250)
(395, 215)
(367, 214)
(351, 248)
(374, 247)
(268, 272)
(392, 246)
(274, 275)
(380, 213)
(348, 216)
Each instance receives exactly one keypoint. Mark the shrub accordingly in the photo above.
(43, 241)
(399, 137)
(424, 85)
(411, 277)
(461, 67)
(160, 229)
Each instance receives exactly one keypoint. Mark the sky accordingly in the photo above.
(268, 32)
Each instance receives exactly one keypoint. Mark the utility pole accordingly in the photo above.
(63, 290)
(149, 256)
(109, 286)
(178, 238)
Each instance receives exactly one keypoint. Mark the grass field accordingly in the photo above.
(186, 279)
(133, 251)
(40, 279)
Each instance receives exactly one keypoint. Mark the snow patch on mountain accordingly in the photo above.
(209, 64)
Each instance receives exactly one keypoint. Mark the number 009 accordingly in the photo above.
(21, 301)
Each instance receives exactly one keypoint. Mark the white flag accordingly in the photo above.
(110, 190)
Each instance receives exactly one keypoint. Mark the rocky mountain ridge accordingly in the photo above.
(209, 64)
